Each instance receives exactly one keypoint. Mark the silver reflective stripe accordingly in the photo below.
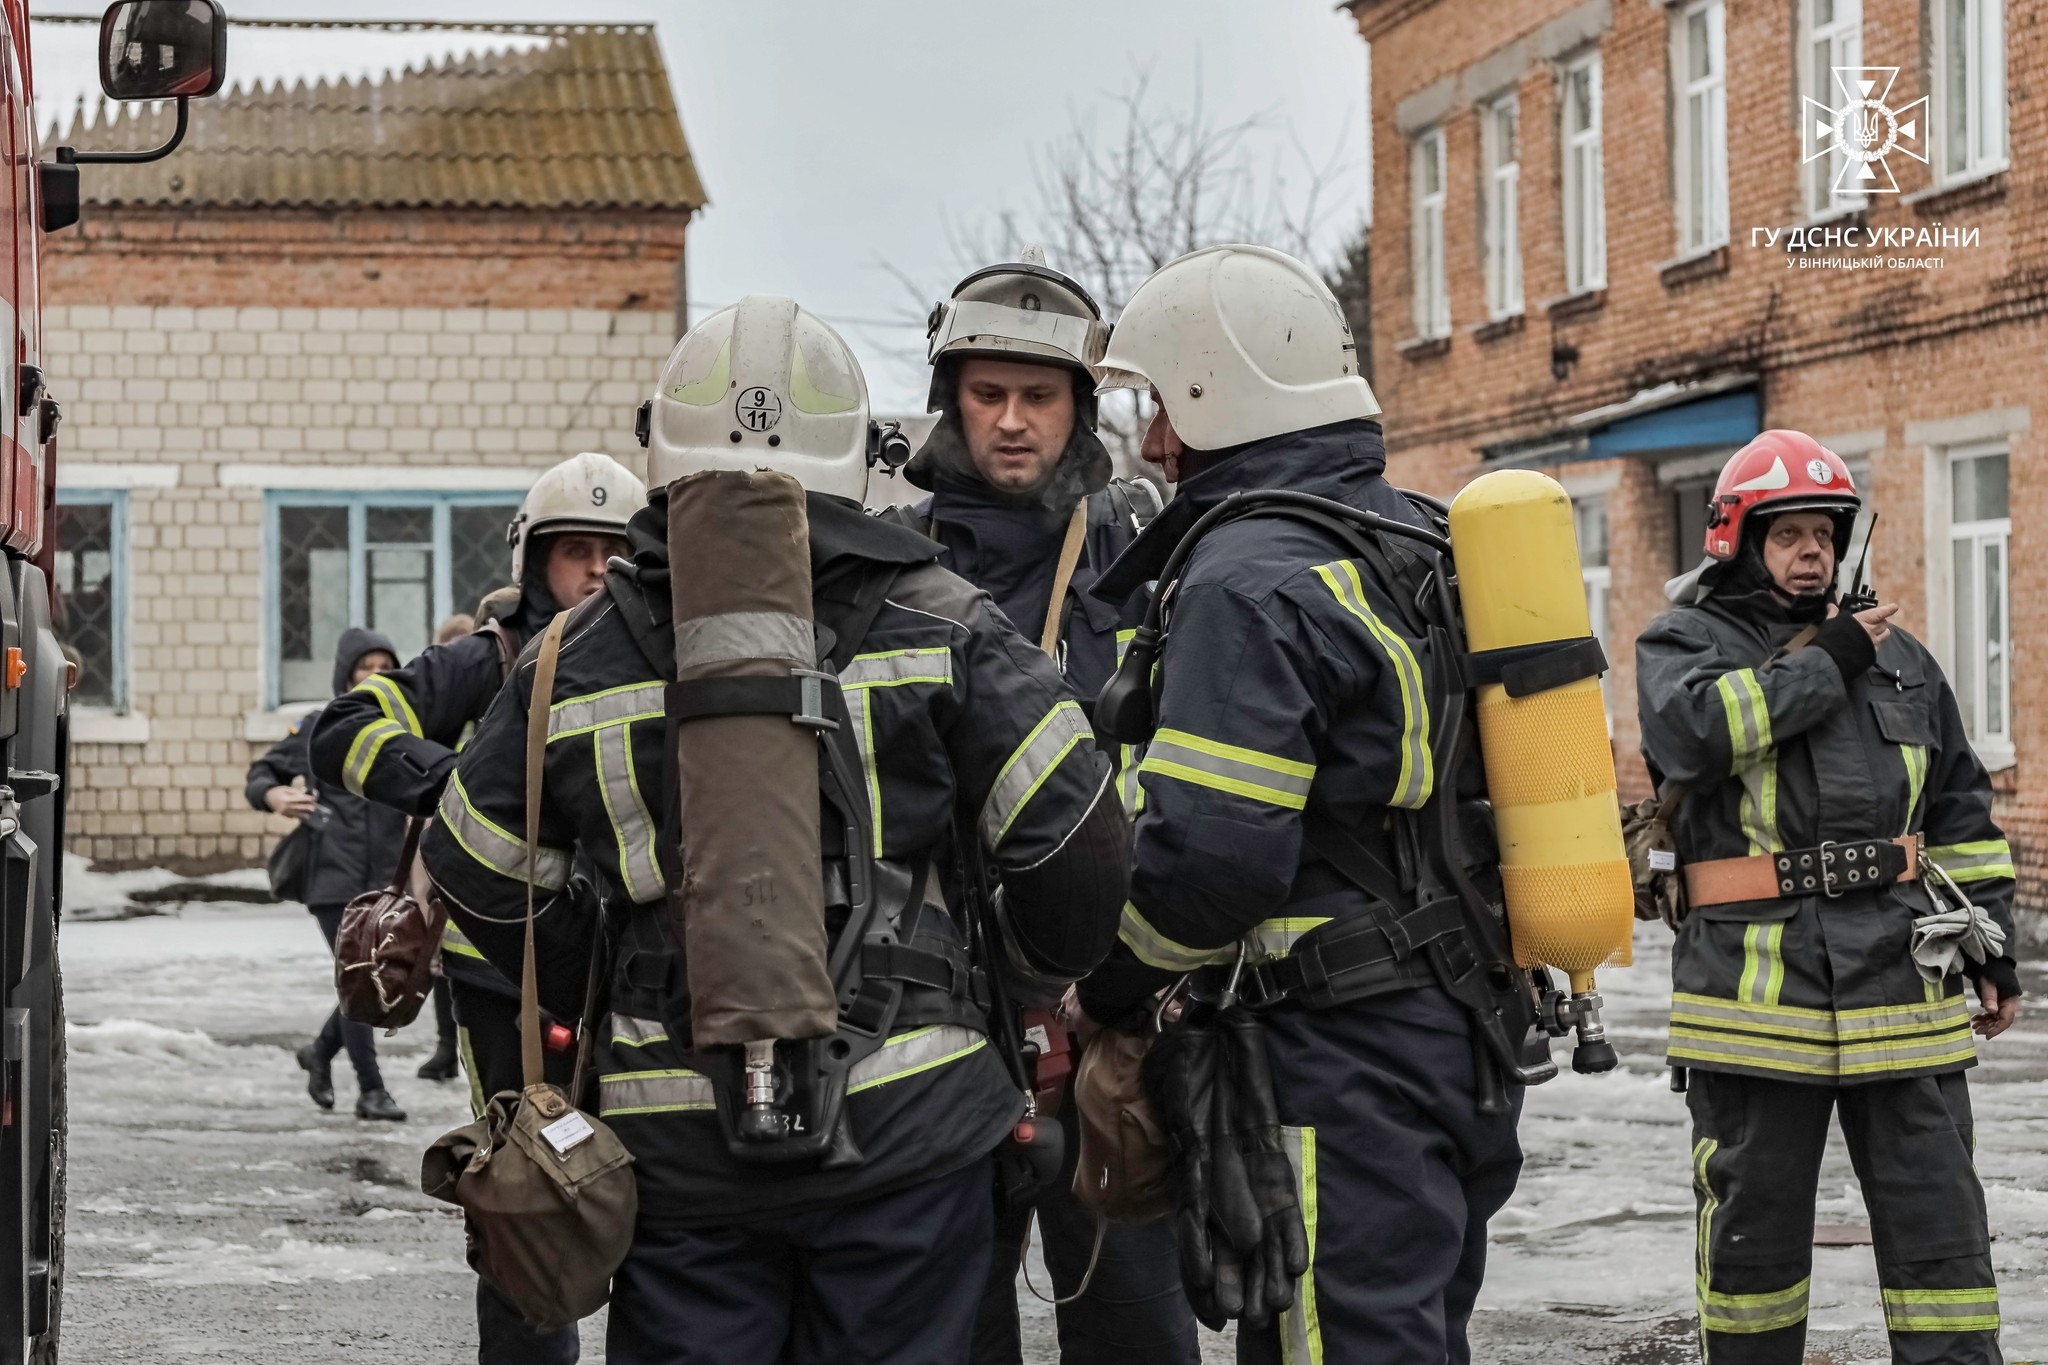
(860, 710)
(502, 853)
(1743, 1314)
(1301, 1327)
(453, 940)
(1229, 768)
(1051, 740)
(615, 706)
(362, 754)
(1941, 1310)
(1155, 949)
(639, 870)
(745, 635)
(679, 1091)
(631, 1032)
(907, 1054)
(654, 1092)
(896, 667)
(1276, 937)
(1983, 861)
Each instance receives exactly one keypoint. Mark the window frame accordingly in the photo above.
(1985, 21)
(1428, 222)
(1844, 36)
(358, 503)
(116, 499)
(1500, 210)
(1689, 180)
(1998, 750)
(1583, 207)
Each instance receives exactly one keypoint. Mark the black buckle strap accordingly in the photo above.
(1833, 867)
(800, 696)
(1327, 967)
(943, 971)
(1525, 670)
(1411, 932)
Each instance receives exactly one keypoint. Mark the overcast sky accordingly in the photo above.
(838, 139)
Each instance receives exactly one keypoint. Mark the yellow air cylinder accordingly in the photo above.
(1549, 764)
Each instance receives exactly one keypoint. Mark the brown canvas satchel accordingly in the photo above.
(547, 1190)
(387, 948)
(1122, 1169)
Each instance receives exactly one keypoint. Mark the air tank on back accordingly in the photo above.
(1549, 761)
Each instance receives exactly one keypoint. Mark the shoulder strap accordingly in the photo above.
(1070, 555)
(403, 876)
(508, 648)
(536, 761)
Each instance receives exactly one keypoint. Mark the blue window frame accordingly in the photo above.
(91, 571)
(399, 563)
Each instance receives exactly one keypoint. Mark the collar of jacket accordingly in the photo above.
(1338, 461)
(942, 461)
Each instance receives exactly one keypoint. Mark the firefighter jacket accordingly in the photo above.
(954, 713)
(1288, 677)
(1777, 752)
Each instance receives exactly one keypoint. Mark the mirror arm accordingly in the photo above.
(70, 155)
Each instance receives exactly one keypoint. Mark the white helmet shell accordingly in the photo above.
(762, 385)
(1020, 311)
(1242, 343)
(588, 492)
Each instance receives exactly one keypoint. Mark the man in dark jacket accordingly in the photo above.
(960, 724)
(1292, 687)
(354, 849)
(1022, 499)
(1845, 879)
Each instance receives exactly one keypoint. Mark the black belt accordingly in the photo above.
(1337, 963)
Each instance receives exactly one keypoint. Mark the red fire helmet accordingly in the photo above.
(1779, 471)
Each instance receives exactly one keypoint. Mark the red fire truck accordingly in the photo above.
(149, 50)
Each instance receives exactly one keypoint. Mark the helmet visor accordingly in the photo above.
(974, 324)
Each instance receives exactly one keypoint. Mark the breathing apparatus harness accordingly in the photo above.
(1441, 916)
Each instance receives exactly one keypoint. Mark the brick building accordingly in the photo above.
(309, 365)
(1619, 238)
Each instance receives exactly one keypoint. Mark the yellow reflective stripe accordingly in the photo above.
(1703, 1234)
(909, 1054)
(1818, 1059)
(674, 1090)
(1763, 963)
(632, 826)
(1915, 758)
(628, 1031)
(1155, 949)
(1941, 1310)
(1746, 1313)
(1872, 1022)
(1229, 768)
(1058, 734)
(861, 709)
(453, 940)
(1982, 861)
(667, 1091)
(1760, 806)
(1418, 775)
(502, 853)
(363, 751)
(1277, 937)
(898, 668)
(613, 706)
(1749, 716)
(1301, 1327)
(392, 701)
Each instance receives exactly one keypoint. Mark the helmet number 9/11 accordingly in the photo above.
(758, 408)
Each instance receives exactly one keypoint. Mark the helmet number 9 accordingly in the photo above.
(598, 494)
(758, 408)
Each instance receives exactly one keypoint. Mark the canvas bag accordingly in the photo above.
(547, 1191)
(1122, 1172)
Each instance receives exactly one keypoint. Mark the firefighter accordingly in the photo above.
(393, 739)
(1291, 686)
(1017, 474)
(1823, 775)
(961, 722)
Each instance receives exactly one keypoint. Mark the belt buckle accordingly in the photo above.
(1827, 869)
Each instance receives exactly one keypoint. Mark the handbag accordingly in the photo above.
(386, 949)
(547, 1190)
(1123, 1169)
(288, 863)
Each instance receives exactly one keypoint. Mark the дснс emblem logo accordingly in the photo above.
(1864, 129)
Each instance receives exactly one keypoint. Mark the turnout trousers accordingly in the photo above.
(1756, 1160)
(893, 1280)
(1400, 1173)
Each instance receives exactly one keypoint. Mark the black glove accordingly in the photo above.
(1282, 1254)
(2001, 972)
(1844, 640)
(1180, 1072)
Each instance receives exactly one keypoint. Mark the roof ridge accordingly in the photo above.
(406, 25)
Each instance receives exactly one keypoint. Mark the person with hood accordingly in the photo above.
(393, 740)
(1291, 697)
(1023, 501)
(1845, 880)
(963, 728)
(355, 845)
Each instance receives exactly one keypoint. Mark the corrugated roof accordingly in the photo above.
(583, 119)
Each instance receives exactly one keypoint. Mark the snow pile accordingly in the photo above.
(288, 1260)
(133, 1039)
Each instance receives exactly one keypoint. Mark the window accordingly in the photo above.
(1432, 293)
(1833, 40)
(397, 563)
(91, 567)
(1980, 529)
(1589, 514)
(1501, 146)
(1699, 79)
(1691, 499)
(1969, 86)
(1585, 203)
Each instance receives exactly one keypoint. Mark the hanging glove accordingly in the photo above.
(1941, 941)
(1235, 1225)
(1180, 1072)
(1281, 1258)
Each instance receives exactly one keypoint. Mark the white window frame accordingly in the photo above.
(1426, 236)
(1994, 745)
(1585, 193)
(1500, 185)
(1598, 578)
(1823, 47)
(1984, 94)
(1700, 115)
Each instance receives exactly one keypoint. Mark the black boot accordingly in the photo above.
(444, 1065)
(319, 1075)
(378, 1104)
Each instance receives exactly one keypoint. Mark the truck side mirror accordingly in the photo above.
(163, 49)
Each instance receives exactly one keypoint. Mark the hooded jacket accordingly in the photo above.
(356, 848)
(954, 714)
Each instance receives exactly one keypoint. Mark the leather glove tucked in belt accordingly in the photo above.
(1279, 1256)
(1181, 1071)
(1946, 942)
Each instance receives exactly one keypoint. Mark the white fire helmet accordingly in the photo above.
(762, 385)
(1021, 311)
(588, 492)
(1242, 343)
